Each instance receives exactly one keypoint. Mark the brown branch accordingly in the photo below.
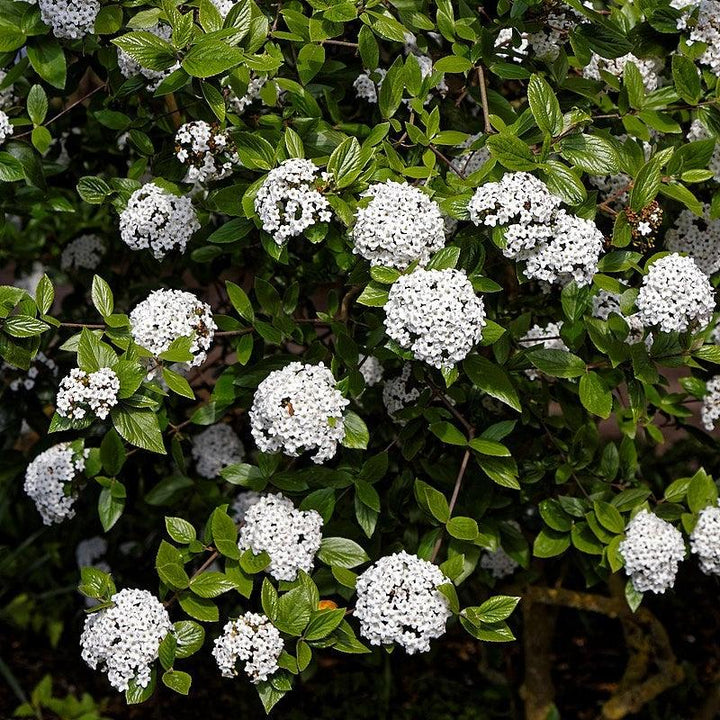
(483, 99)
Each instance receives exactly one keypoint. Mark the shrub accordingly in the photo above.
(343, 312)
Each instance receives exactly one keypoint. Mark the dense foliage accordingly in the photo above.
(332, 326)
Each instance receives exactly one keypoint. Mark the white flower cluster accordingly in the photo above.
(436, 315)
(299, 408)
(705, 540)
(204, 149)
(242, 503)
(505, 47)
(606, 303)
(124, 639)
(166, 315)
(548, 337)
(652, 549)
(399, 225)
(253, 639)
(81, 391)
(398, 602)
(48, 478)
(571, 254)
(610, 186)
(6, 129)
(547, 41)
(223, 6)
(706, 30)
(288, 202)
(471, 161)
(239, 103)
(372, 370)
(398, 393)
(648, 67)
(290, 537)
(83, 253)
(157, 220)
(130, 67)
(89, 553)
(498, 563)
(699, 237)
(71, 19)
(675, 294)
(366, 88)
(40, 361)
(7, 94)
(710, 411)
(528, 210)
(698, 131)
(216, 448)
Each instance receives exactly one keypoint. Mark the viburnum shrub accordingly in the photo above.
(364, 319)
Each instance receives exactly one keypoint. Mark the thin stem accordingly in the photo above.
(456, 492)
(483, 99)
(448, 162)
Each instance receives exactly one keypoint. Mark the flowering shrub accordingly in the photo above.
(365, 320)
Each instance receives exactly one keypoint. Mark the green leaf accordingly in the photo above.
(211, 57)
(391, 90)
(550, 543)
(310, 60)
(110, 507)
(557, 363)
(494, 610)
(135, 694)
(686, 79)
(544, 106)
(190, 637)
(341, 552)
(224, 534)
(149, 50)
(139, 427)
(448, 433)
(178, 681)
(199, 608)
(24, 326)
(211, 584)
(609, 516)
(492, 379)
(93, 190)
(48, 60)
(346, 162)
(37, 104)
(463, 528)
(646, 186)
(511, 152)
(293, 613)
(702, 492)
(180, 530)
(432, 500)
(169, 566)
(102, 297)
(357, 436)
(322, 623)
(595, 395)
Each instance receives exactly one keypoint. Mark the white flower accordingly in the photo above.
(606, 303)
(6, 129)
(471, 161)
(288, 203)
(705, 30)
(652, 549)
(253, 639)
(436, 315)
(81, 392)
(698, 131)
(521, 203)
(224, 6)
(699, 237)
(290, 537)
(166, 315)
(7, 94)
(243, 501)
(299, 408)
(572, 253)
(130, 67)
(547, 41)
(610, 186)
(365, 87)
(710, 411)
(204, 149)
(69, 18)
(216, 448)
(123, 640)
(705, 540)
(238, 103)
(41, 363)
(649, 68)
(548, 337)
(29, 281)
(398, 394)
(48, 481)
(398, 602)
(505, 47)
(157, 220)
(675, 295)
(89, 553)
(498, 563)
(84, 252)
(372, 370)
(399, 225)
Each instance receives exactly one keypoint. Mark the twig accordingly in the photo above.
(483, 99)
